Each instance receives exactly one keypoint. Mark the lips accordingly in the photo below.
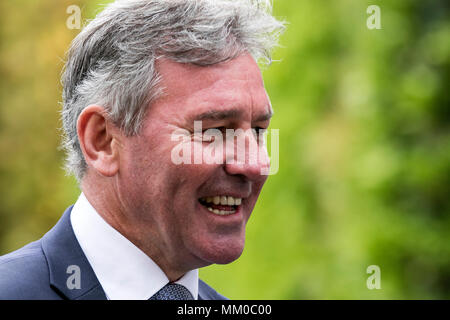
(221, 204)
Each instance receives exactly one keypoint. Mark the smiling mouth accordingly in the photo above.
(221, 205)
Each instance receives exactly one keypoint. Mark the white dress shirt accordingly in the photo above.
(123, 270)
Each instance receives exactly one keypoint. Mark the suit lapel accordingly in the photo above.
(200, 295)
(70, 272)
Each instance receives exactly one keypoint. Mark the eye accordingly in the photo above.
(221, 129)
(210, 134)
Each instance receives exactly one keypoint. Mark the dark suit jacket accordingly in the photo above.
(40, 269)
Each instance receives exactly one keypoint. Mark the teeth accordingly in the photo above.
(222, 212)
(223, 200)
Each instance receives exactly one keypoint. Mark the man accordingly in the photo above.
(144, 224)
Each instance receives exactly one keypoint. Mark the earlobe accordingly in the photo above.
(97, 136)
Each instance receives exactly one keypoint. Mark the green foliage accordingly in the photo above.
(364, 149)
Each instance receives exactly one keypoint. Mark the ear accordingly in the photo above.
(99, 140)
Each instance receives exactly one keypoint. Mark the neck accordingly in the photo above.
(109, 209)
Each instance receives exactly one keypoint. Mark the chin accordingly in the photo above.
(221, 252)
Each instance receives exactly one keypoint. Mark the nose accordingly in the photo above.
(247, 156)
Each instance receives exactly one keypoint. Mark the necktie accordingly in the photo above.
(173, 291)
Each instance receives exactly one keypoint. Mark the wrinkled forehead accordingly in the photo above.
(184, 78)
(233, 84)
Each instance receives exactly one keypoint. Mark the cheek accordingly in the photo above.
(142, 170)
(257, 187)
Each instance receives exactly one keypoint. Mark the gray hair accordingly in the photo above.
(112, 60)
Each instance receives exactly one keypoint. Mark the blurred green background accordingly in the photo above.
(364, 149)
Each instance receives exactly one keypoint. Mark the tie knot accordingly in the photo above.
(173, 291)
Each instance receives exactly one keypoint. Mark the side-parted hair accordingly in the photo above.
(112, 60)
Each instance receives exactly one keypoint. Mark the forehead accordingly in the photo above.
(235, 84)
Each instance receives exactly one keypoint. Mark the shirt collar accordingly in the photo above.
(123, 270)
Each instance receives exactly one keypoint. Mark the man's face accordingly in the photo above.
(165, 203)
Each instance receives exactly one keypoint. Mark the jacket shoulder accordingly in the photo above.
(24, 274)
(205, 292)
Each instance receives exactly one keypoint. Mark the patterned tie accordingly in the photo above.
(173, 291)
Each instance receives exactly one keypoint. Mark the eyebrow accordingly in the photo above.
(218, 115)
